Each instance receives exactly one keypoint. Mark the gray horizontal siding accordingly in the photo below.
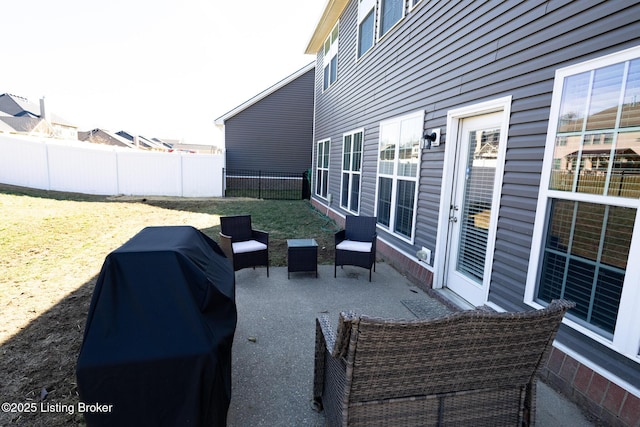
(275, 133)
(485, 50)
(445, 55)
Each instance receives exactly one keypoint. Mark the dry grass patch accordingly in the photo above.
(52, 246)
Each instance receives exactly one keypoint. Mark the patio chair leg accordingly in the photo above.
(369, 275)
(316, 404)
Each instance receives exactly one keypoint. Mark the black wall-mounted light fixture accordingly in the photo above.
(431, 138)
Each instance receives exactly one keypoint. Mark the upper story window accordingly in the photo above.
(330, 62)
(589, 203)
(366, 25)
(376, 18)
(391, 11)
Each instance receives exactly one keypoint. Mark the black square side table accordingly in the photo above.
(302, 255)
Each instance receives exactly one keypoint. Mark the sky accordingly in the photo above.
(157, 68)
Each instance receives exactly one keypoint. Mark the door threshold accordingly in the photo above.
(454, 299)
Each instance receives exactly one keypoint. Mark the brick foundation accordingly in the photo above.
(416, 273)
(609, 403)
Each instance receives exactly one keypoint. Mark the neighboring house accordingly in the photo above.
(142, 142)
(193, 148)
(105, 137)
(530, 190)
(272, 131)
(125, 139)
(33, 126)
(167, 145)
(23, 116)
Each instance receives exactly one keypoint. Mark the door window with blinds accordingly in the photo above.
(475, 212)
(591, 197)
(398, 173)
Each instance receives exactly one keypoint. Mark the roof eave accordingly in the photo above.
(330, 16)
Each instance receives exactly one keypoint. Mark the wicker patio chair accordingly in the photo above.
(470, 368)
(242, 244)
(356, 244)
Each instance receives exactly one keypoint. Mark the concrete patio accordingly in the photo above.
(275, 337)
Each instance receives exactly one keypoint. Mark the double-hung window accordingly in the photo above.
(587, 224)
(398, 173)
(376, 18)
(322, 168)
(366, 25)
(330, 61)
(351, 170)
(391, 12)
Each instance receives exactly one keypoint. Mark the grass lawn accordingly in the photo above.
(52, 246)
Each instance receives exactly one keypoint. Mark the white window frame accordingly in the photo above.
(395, 177)
(375, 6)
(350, 172)
(379, 19)
(365, 7)
(626, 337)
(322, 168)
(329, 54)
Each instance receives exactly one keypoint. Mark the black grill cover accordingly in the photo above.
(157, 343)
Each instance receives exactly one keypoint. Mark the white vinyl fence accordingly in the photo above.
(82, 167)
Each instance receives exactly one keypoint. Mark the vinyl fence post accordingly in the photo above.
(224, 182)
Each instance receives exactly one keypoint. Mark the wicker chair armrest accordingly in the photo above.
(562, 304)
(325, 341)
(340, 236)
(260, 236)
(337, 341)
(226, 245)
(343, 335)
(327, 331)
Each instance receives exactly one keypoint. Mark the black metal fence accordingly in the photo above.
(267, 185)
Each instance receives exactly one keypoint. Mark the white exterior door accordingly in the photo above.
(475, 197)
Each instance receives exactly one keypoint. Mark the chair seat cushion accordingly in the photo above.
(354, 246)
(248, 246)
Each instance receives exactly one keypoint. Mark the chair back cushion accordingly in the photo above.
(468, 350)
(360, 228)
(238, 227)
